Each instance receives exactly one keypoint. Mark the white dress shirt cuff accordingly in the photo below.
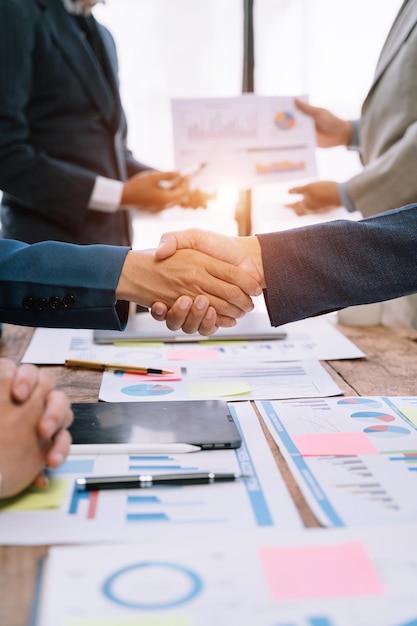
(106, 195)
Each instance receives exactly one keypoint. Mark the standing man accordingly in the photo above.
(385, 136)
(65, 170)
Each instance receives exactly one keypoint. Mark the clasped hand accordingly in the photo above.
(148, 192)
(33, 423)
(241, 262)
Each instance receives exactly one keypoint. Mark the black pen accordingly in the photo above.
(143, 481)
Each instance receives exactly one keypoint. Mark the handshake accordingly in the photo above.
(195, 280)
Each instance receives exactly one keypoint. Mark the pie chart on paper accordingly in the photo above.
(369, 402)
(147, 390)
(285, 120)
(384, 431)
(375, 415)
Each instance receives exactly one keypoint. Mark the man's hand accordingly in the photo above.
(145, 279)
(147, 191)
(318, 197)
(192, 316)
(330, 130)
(33, 421)
(243, 252)
(196, 199)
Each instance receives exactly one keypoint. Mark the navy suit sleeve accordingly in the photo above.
(55, 284)
(326, 267)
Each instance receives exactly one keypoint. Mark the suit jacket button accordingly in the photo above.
(28, 303)
(41, 304)
(68, 302)
(54, 302)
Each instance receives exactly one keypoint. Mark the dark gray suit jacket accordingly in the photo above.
(325, 267)
(61, 125)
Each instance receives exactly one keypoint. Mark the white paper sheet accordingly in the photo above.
(314, 338)
(243, 141)
(226, 380)
(352, 489)
(163, 513)
(234, 581)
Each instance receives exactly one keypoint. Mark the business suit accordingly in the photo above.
(325, 267)
(388, 124)
(54, 284)
(61, 125)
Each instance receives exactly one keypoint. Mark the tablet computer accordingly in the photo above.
(138, 427)
(142, 327)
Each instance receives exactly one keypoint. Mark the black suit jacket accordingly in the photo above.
(61, 125)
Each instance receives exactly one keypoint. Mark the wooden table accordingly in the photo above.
(390, 368)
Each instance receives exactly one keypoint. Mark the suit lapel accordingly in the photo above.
(403, 25)
(78, 54)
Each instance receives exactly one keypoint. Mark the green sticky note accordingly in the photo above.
(410, 413)
(35, 499)
(162, 620)
(219, 389)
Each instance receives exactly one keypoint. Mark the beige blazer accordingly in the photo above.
(388, 125)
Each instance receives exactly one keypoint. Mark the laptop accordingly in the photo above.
(142, 327)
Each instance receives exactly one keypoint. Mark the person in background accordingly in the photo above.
(311, 270)
(34, 417)
(65, 170)
(385, 137)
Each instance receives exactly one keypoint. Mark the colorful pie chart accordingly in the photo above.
(284, 120)
(147, 390)
(382, 430)
(381, 417)
(367, 401)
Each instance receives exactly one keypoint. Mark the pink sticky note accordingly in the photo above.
(193, 355)
(322, 444)
(304, 572)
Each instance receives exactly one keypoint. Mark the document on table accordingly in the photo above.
(159, 513)
(314, 338)
(224, 380)
(321, 577)
(243, 141)
(355, 459)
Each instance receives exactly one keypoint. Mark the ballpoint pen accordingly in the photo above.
(143, 481)
(97, 365)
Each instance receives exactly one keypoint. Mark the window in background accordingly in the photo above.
(193, 48)
(174, 49)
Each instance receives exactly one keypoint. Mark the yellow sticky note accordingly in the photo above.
(410, 413)
(163, 620)
(136, 344)
(219, 389)
(34, 499)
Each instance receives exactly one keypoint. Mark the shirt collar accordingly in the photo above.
(80, 7)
